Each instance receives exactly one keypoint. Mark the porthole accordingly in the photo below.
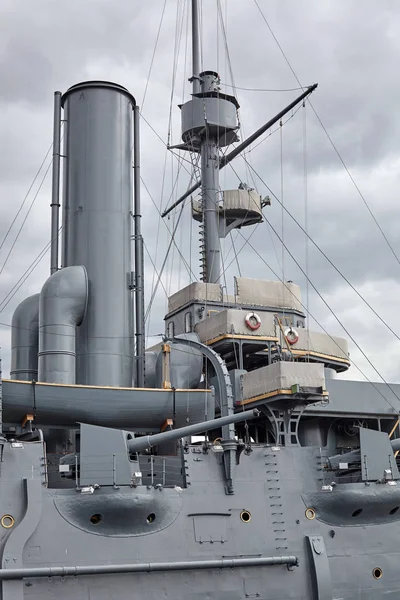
(7, 521)
(394, 510)
(357, 512)
(377, 573)
(151, 518)
(95, 519)
(245, 516)
(310, 514)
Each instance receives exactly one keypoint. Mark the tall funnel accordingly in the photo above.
(97, 225)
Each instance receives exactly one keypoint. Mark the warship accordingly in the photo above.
(226, 461)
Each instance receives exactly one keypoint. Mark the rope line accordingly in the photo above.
(348, 282)
(154, 54)
(327, 333)
(330, 140)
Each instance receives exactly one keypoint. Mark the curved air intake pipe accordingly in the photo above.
(62, 307)
(25, 340)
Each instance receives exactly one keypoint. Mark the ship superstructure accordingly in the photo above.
(225, 462)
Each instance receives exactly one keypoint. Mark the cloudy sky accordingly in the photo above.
(350, 47)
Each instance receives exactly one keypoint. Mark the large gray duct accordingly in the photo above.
(25, 340)
(97, 225)
(62, 307)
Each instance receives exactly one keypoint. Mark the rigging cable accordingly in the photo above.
(155, 269)
(333, 312)
(159, 218)
(269, 232)
(236, 256)
(325, 331)
(327, 258)
(11, 293)
(169, 231)
(154, 53)
(163, 264)
(233, 86)
(228, 59)
(177, 44)
(330, 139)
(143, 101)
(25, 218)
(271, 132)
(26, 197)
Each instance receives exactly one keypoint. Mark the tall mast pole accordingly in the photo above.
(195, 48)
(210, 207)
(204, 83)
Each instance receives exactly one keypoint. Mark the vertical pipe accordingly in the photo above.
(139, 268)
(195, 48)
(55, 191)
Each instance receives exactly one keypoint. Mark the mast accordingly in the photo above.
(227, 158)
(195, 48)
(205, 85)
(209, 122)
(210, 191)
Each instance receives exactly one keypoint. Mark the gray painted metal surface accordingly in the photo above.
(62, 306)
(149, 441)
(203, 533)
(361, 398)
(185, 363)
(25, 340)
(210, 206)
(225, 160)
(195, 47)
(377, 459)
(97, 225)
(129, 408)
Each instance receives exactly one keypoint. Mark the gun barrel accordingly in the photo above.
(148, 441)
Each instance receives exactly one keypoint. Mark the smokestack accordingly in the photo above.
(97, 225)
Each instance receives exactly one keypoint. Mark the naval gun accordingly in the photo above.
(149, 441)
(355, 455)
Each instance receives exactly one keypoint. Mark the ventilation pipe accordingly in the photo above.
(24, 340)
(62, 307)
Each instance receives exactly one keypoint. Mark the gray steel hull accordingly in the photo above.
(250, 559)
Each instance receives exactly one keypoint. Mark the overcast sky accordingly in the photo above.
(350, 47)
